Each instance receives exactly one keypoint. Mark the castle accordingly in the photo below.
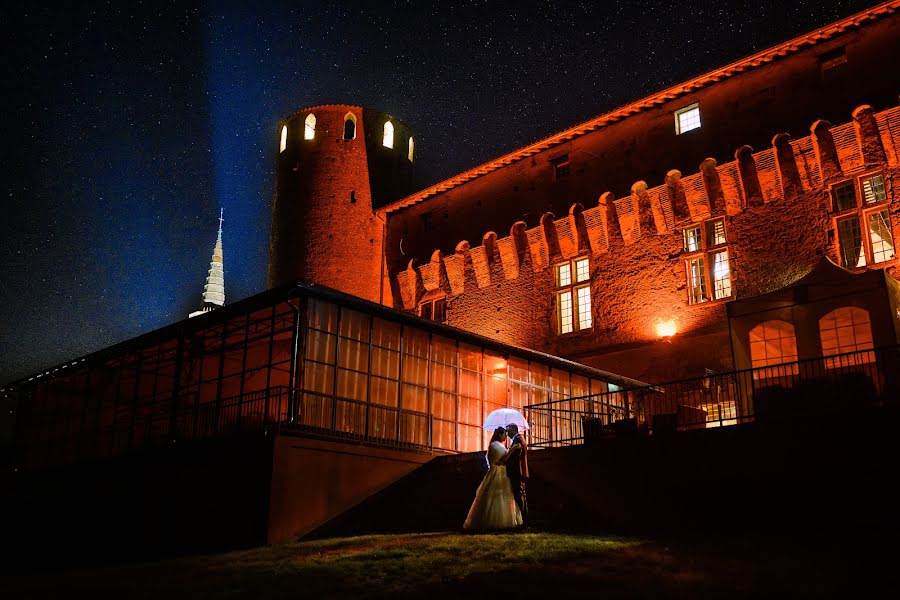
(619, 242)
(743, 221)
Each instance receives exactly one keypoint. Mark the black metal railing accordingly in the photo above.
(840, 384)
(268, 409)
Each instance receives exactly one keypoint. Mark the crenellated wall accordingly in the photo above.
(778, 219)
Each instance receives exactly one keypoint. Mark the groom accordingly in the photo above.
(517, 469)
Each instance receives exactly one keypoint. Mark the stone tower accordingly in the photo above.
(335, 165)
(214, 289)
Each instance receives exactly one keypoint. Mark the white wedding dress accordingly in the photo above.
(494, 506)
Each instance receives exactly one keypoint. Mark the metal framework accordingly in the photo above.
(300, 358)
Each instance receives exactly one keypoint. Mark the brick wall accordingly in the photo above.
(777, 213)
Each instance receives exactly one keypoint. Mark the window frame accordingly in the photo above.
(684, 110)
(431, 311)
(561, 166)
(706, 252)
(573, 288)
(309, 127)
(861, 212)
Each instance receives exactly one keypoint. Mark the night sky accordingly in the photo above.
(129, 125)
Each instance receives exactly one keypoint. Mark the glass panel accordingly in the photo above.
(772, 343)
(470, 411)
(518, 369)
(845, 329)
(470, 357)
(881, 237)
(443, 405)
(320, 346)
(443, 434)
(322, 315)
(415, 343)
(353, 355)
(689, 119)
(382, 423)
(386, 334)
(844, 196)
(563, 275)
(470, 383)
(383, 391)
(385, 362)
(715, 232)
(414, 398)
(352, 385)
(721, 275)
(443, 350)
(691, 239)
(584, 307)
(470, 438)
(566, 316)
(853, 254)
(696, 281)
(354, 325)
(318, 378)
(415, 370)
(873, 189)
(443, 377)
(582, 270)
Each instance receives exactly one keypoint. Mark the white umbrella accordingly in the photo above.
(503, 417)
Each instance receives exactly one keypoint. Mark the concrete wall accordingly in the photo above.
(314, 481)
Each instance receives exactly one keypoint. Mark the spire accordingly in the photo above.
(214, 289)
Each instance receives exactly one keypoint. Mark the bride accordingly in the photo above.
(494, 506)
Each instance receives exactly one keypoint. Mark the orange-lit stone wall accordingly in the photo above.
(778, 220)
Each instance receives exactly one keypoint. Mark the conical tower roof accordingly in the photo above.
(214, 289)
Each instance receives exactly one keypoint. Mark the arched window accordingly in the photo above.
(349, 126)
(283, 146)
(309, 131)
(410, 155)
(773, 343)
(388, 141)
(846, 329)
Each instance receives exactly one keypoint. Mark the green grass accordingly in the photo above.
(440, 565)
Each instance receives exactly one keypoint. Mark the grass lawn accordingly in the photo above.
(445, 565)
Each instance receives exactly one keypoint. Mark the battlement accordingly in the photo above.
(790, 168)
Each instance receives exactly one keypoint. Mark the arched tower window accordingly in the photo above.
(846, 329)
(309, 131)
(773, 343)
(283, 145)
(410, 155)
(388, 140)
(350, 126)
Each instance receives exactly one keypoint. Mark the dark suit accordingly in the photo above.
(517, 471)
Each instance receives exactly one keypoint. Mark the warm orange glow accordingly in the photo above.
(666, 328)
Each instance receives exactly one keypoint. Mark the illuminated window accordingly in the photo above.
(715, 232)
(410, 155)
(388, 141)
(309, 132)
(721, 275)
(687, 119)
(560, 166)
(692, 240)
(708, 272)
(864, 232)
(283, 146)
(350, 126)
(846, 329)
(573, 295)
(696, 275)
(880, 236)
(873, 189)
(773, 343)
(435, 310)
